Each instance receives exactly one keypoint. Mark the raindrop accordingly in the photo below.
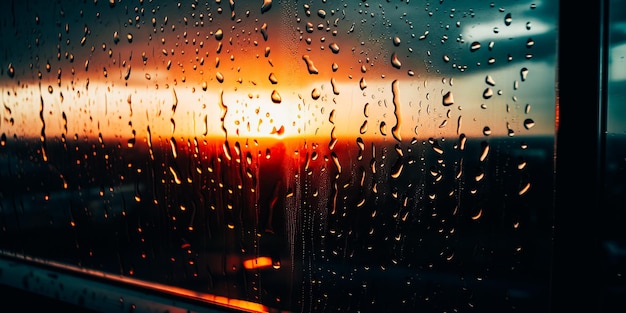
(396, 41)
(395, 62)
(489, 80)
(486, 131)
(334, 47)
(522, 164)
(309, 63)
(485, 151)
(383, 128)
(363, 128)
(333, 83)
(315, 94)
(508, 19)
(474, 46)
(529, 123)
(395, 90)
(448, 99)
(276, 97)
(530, 43)
(272, 78)
(524, 189)
(487, 93)
(267, 5)
(220, 77)
(524, 73)
(129, 36)
(264, 31)
(219, 34)
(127, 74)
(11, 70)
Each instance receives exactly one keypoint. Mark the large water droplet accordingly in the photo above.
(396, 41)
(267, 5)
(395, 61)
(219, 34)
(474, 46)
(448, 99)
(276, 97)
(315, 94)
(362, 83)
(487, 93)
(508, 19)
(334, 47)
(11, 70)
(524, 73)
(529, 123)
(309, 64)
(486, 131)
(273, 78)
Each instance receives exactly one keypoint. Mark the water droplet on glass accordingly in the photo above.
(395, 61)
(508, 19)
(334, 47)
(396, 41)
(264, 31)
(219, 76)
(489, 80)
(315, 94)
(524, 189)
(219, 34)
(276, 97)
(310, 65)
(486, 131)
(267, 5)
(333, 83)
(448, 99)
(383, 128)
(11, 70)
(529, 123)
(362, 83)
(524, 73)
(272, 78)
(487, 93)
(484, 152)
(474, 46)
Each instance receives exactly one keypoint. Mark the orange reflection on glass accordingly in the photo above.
(257, 263)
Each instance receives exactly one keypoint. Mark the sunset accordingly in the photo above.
(282, 156)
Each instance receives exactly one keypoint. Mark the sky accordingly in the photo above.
(319, 68)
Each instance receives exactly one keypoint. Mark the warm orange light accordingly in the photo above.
(256, 263)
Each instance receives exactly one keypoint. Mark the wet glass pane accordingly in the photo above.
(302, 156)
(614, 244)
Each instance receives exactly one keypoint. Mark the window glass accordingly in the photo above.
(305, 156)
(614, 243)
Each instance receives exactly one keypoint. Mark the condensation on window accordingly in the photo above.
(300, 155)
